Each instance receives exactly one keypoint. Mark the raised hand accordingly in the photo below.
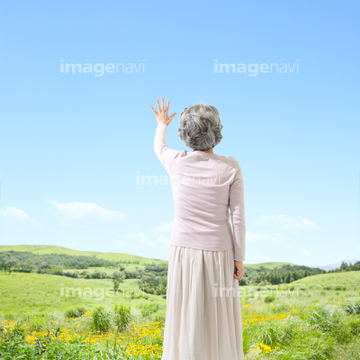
(162, 116)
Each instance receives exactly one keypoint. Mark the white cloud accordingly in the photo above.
(79, 210)
(15, 213)
(264, 237)
(163, 240)
(120, 243)
(302, 223)
(164, 227)
(142, 238)
(286, 222)
(307, 252)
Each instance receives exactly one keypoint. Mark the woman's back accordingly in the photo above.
(205, 187)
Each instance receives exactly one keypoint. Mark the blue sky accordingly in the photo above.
(72, 144)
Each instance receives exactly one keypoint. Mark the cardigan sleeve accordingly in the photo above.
(237, 213)
(163, 152)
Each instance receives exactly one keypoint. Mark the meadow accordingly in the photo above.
(51, 249)
(54, 317)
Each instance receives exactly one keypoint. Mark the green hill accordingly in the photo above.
(48, 293)
(332, 280)
(267, 265)
(49, 249)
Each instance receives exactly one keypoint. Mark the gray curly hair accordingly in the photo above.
(200, 127)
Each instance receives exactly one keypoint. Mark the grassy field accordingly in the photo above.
(23, 293)
(108, 270)
(306, 319)
(268, 265)
(49, 249)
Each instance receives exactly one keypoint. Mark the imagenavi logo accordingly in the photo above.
(99, 69)
(253, 69)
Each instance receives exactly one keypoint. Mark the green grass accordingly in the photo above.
(347, 352)
(319, 329)
(21, 292)
(48, 249)
(109, 270)
(267, 265)
(349, 278)
(42, 292)
(305, 319)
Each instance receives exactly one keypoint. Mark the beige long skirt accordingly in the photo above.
(203, 313)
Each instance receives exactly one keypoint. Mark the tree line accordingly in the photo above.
(23, 261)
(347, 267)
(153, 279)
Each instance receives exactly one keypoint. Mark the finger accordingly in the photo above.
(167, 105)
(157, 100)
(172, 116)
(153, 110)
(239, 277)
(162, 103)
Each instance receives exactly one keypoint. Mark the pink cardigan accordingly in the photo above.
(205, 187)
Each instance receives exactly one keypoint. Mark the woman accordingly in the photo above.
(203, 311)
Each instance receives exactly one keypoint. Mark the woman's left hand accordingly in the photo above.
(162, 116)
(239, 270)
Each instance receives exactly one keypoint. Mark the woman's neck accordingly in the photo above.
(206, 151)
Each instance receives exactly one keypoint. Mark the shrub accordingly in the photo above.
(153, 284)
(354, 325)
(148, 309)
(36, 322)
(322, 316)
(352, 306)
(119, 276)
(71, 274)
(160, 316)
(75, 312)
(340, 288)
(122, 316)
(281, 308)
(99, 275)
(56, 270)
(101, 319)
(86, 274)
(269, 298)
